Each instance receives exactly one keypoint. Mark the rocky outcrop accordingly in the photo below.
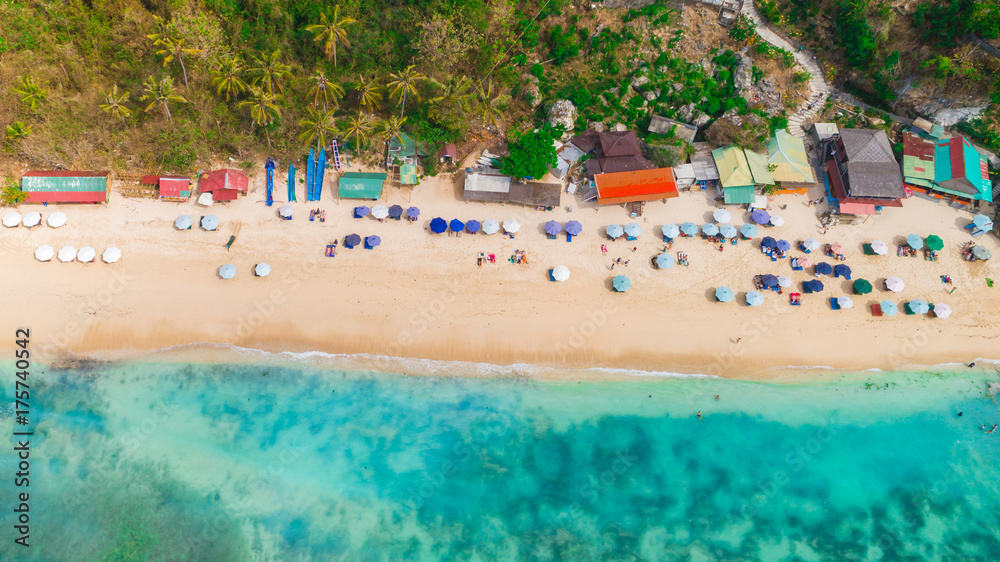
(562, 113)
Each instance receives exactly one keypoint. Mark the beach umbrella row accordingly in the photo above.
(728, 231)
(709, 229)
(915, 241)
(689, 229)
(573, 228)
(614, 231)
(13, 218)
(69, 253)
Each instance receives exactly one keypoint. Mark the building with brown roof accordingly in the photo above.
(614, 152)
(862, 171)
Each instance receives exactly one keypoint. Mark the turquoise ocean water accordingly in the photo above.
(145, 461)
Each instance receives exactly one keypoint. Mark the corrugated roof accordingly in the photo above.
(358, 185)
(224, 179)
(918, 159)
(759, 168)
(663, 126)
(619, 143)
(492, 183)
(872, 170)
(734, 170)
(64, 182)
(175, 187)
(408, 174)
(867, 145)
(787, 153)
(659, 181)
(739, 195)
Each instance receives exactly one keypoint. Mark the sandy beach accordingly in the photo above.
(421, 295)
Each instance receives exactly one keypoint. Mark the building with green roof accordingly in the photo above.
(950, 166)
(787, 160)
(359, 185)
(739, 172)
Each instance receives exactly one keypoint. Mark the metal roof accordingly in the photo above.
(734, 170)
(739, 195)
(787, 154)
(359, 185)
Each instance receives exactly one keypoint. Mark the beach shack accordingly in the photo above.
(739, 172)
(705, 173)
(65, 187)
(861, 172)
(788, 163)
(361, 185)
(949, 167)
(638, 186)
(486, 185)
(170, 188)
(225, 184)
(671, 129)
(612, 152)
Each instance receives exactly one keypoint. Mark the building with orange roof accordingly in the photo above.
(638, 185)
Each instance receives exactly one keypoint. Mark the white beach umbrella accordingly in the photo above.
(880, 248)
(845, 302)
(262, 270)
(895, 284)
(67, 254)
(111, 255)
(942, 310)
(31, 219)
(205, 199)
(511, 226)
(810, 244)
(777, 220)
(491, 226)
(560, 273)
(12, 219)
(784, 281)
(183, 222)
(210, 222)
(380, 212)
(44, 253)
(86, 254)
(227, 271)
(286, 211)
(56, 219)
(722, 216)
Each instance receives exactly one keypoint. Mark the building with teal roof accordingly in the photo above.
(949, 166)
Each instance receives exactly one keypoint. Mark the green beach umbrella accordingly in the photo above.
(862, 287)
(981, 253)
(934, 242)
(621, 284)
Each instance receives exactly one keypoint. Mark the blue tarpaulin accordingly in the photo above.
(269, 166)
(291, 183)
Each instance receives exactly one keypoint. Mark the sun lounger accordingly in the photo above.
(322, 216)
(331, 250)
(876, 310)
(868, 250)
(834, 304)
(795, 265)
(569, 237)
(795, 299)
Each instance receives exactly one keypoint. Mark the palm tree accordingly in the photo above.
(268, 71)
(405, 82)
(369, 94)
(228, 77)
(317, 125)
(456, 96)
(18, 130)
(491, 104)
(161, 93)
(330, 32)
(388, 130)
(263, 108)
(173, 48)
(115, 104)
(359, 128)
(31, 93)
(330, 93)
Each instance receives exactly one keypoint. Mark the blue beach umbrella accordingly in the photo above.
(438, 225)
(210, 222)
(722, 216)
(664, 261)
(841, 270)
(614, 231)
(748, 230)
(709, 229)
(633, 230)
(768, 242)
(183, 222)
(670, 230)
(362, 211)
(689, 229)
(724, 294)
(227, 271)
(552, 228)
(919, 306)
(889, 308)
(982, 222)
(413, 212)
(769, 280)
(783, 245)
(728, 231)
(352, 240)
(813, 286)
(574, 228)
(621, 284)
(456, 225)
(372, 241)
(396, 211)
(760, 216)
(473, 226)
(754, 298)
(915, 241)
(823, 268)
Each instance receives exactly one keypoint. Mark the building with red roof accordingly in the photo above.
(639, 185)
(224, 185)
